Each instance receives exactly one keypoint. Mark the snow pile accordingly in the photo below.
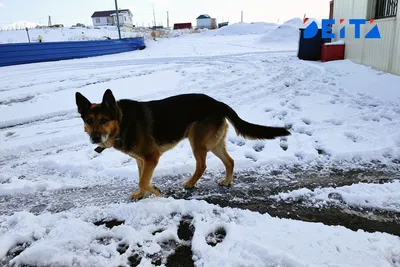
(299, 23)
(19, 25)
(83, 34)
(288, 32)
(243, 29)
(65, 34)
(375, 196)
(152, 229)
(340, 42)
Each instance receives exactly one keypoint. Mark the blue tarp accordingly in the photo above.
(23, 53)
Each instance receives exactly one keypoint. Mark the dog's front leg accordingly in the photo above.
(139, 163)
(148, 165)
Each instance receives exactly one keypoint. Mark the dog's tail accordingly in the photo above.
(253, 131)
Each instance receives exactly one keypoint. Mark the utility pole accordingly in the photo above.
(242, 17)
(167, 20)
(116, 11)
(154, 15)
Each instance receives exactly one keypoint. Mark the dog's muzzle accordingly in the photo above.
(95, 138)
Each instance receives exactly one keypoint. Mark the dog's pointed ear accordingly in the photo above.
(82, 102)
(109, 99)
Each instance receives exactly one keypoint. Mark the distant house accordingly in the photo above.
(205, 21)
(179, 26)
(109, 18)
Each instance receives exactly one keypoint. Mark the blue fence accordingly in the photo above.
(23, 53)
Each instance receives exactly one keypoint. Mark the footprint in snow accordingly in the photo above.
(334, 122)
(251, 156)
(306, 121)
(284, 146)
(294, 107)
(237, 141)
(259, 147)
(352, 136)
(173, 252)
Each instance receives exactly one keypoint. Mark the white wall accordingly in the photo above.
(382, 54)
(124, 20)
(103, 21)
(203, 23)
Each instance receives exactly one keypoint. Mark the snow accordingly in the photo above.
(302, 25)
(243, 29)
(286, 33)
(341, 115)
(340, 42)
(68, 34)
(252, 239)
(19, 25)
(384, 196)
(336, 114)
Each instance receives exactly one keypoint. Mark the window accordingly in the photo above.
(109, 21)
(386, 8)
(97, 20)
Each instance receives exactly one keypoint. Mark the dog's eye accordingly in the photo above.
(103, 121)
(89, 121)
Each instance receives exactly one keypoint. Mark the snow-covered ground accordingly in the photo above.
(82, 34)
(341, 115)
(374, 196)
(151, 229)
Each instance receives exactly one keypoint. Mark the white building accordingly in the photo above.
(109, 18)
(382, 54)
(205, 21)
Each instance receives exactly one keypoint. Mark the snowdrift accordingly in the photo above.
(287, 32)
(243, 29)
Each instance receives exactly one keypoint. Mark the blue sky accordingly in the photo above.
(69, 12)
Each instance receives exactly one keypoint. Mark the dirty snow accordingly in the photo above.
(150, 229)
(337, 116)
(384, 196)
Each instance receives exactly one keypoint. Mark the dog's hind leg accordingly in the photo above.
(222, 154)
(204, 136)
(220, 151)
(200, 155)
(149, 164)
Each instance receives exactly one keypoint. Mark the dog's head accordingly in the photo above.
(101, 121)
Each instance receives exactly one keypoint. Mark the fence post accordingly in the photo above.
(116, 11)
(29, 39)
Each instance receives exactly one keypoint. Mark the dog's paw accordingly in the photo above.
(158, 191)
(138, 195)
(224, 182)
(188, 185)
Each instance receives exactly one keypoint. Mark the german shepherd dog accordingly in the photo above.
(145, 130)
